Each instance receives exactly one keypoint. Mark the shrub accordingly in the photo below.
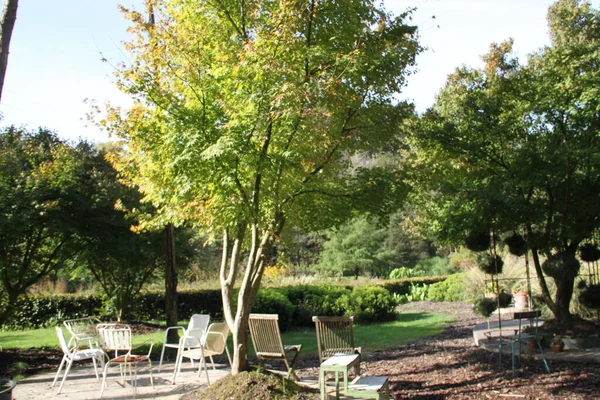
(504, 299)
(451, 289)
(271, 301)
(435, 266)
(314, 300)
(403, 272)
(369, 304)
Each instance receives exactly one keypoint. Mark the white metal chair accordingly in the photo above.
(73, 352)
(83, 327)
(117, 338)
(213, 343)
(194, 333)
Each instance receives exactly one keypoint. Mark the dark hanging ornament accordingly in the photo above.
(478, 241)
(490, 264)
(561, 266)
(589, 252)
(590, 297)
(516, 244)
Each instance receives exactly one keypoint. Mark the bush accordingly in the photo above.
(451, 289)
(271, 301)
(403, 272)
(314, 300)
(369, 304)
(435, 266)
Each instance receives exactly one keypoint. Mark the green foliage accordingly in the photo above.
(485, 306)
(354, 249)
(452, 288)
(489, 263)
(516, 244)
(403, 272)
(274, 302)
(368, 304)
(517, 145)
(435, 266)
(402, 286)
(313, 300)
(561, 266)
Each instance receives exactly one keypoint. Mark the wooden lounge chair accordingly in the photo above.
(266, 339)
(335, 335)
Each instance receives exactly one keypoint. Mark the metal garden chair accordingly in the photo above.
(195, 331)
(72, 351)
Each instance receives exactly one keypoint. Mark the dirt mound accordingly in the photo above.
(252, 385)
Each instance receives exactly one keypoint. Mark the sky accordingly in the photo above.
(55, 63)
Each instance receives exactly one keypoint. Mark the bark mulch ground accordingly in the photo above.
(450, 366)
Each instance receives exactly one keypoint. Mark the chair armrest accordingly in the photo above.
(76, 341)
(194, 339)
(170, 329)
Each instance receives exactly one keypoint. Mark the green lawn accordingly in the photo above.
(405, 328)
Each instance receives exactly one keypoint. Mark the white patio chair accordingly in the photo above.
(83, 327)
(73, 352)
(194, 333)
(117, 338)
(212, 344)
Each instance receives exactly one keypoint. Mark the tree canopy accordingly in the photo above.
(247, 115)
(515, 146)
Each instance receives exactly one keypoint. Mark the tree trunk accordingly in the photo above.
(230, 266)
(170, 278)
(9, 16)
(564, 294)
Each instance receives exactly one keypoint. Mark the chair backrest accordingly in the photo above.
(335, 335)
(266, 338)
(216, 337)
(81, 326)
(196, 330)
(61, 339)
(115, 337)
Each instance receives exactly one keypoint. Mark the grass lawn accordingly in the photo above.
(405, 328)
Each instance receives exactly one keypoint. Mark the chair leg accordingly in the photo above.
(60, 367)
(162, 354)
(228, 357)
(105, 372)
(69, 363)
(213, 363)
(543, 356)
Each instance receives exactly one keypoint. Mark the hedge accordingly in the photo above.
(295, 305)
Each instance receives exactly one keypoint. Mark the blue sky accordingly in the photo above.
(57, 46)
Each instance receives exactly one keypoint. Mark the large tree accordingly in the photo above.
(246, 117)
(7, 24)
(516, 146)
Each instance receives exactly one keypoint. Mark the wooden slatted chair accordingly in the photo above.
(335, 335)
(266, 339)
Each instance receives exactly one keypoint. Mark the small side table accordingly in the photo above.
(337, 364)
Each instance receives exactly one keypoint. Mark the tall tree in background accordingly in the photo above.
(9, 17)
(514, 146)
(246, 115)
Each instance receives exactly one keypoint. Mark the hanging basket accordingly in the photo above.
(485, 306)
(490, 264)
(561, 266)
(516, 245)
(589, 252)
(590, 297)
(478, 241)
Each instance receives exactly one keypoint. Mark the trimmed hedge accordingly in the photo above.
(295, 304)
